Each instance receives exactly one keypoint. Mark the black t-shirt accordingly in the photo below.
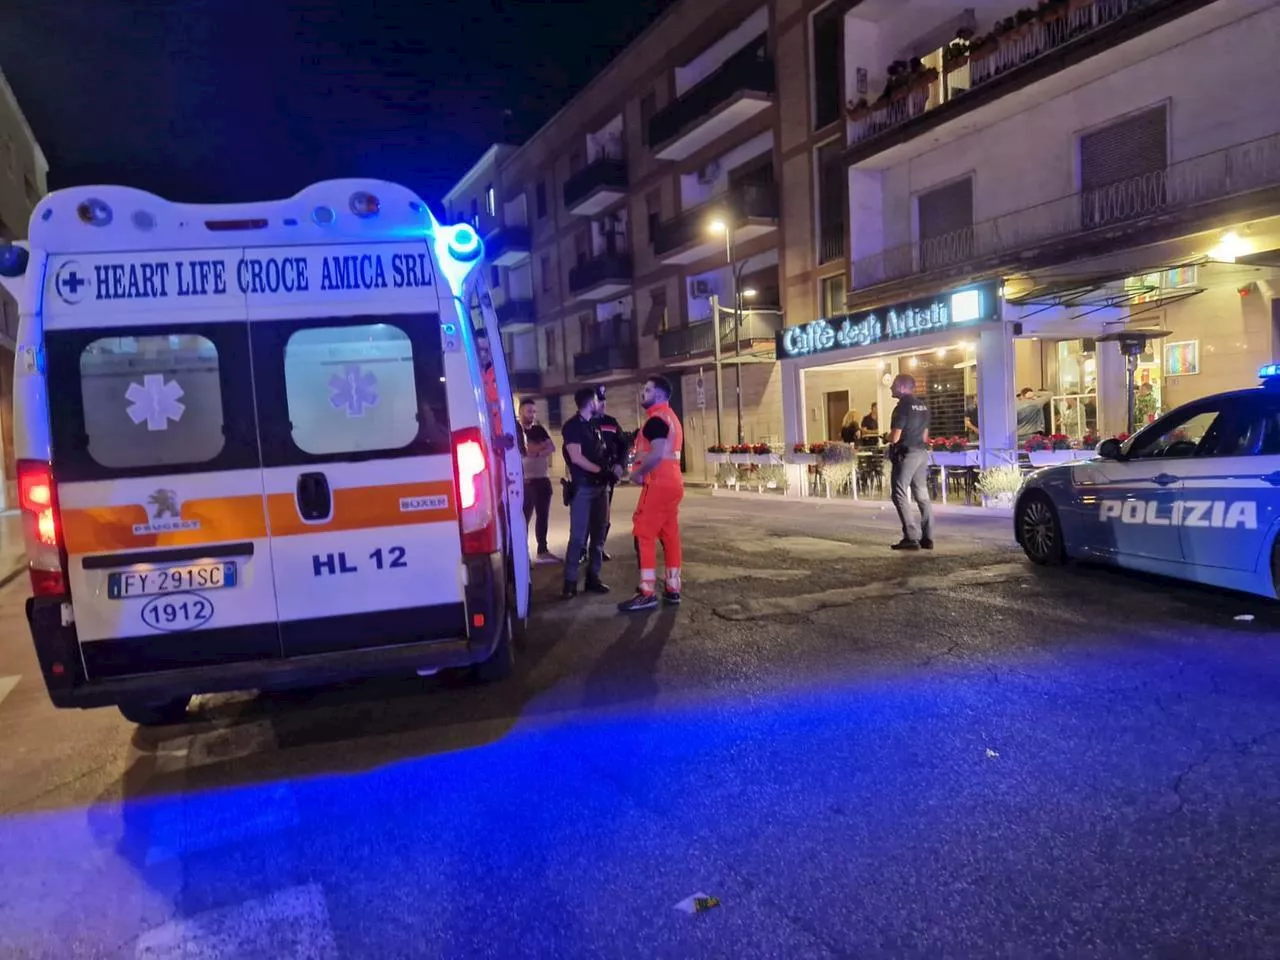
(911, 416)
(655, 428)
(587, 436)
(527, 435)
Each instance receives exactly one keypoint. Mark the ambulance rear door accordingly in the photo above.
(357, 447)
(156, 462)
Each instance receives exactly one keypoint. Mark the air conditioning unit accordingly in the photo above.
(709, 173)
(701, 288)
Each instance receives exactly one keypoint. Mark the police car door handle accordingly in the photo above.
(1164, 479)
(315, 501)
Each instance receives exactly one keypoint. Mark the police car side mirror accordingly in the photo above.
(1109, 449)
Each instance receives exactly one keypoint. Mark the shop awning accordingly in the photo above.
(1084, 294)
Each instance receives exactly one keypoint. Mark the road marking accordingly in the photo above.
(6, 686)
(197, 823)
(215, 746)
(290, 924)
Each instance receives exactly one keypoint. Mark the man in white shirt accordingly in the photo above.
(536, 448)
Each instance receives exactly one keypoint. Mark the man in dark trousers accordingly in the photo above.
(536, 449)
(587, 458)
(618, 444)
(909, 453)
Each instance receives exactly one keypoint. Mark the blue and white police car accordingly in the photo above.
(1194, 495)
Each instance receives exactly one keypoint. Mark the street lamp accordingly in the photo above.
(718, 226)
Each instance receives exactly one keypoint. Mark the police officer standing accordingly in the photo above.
(618, 444)
(909, 454)
(587, 459)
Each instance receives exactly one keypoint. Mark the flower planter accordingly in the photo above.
(999, 501)
(1046, 458)
(1084, 454)
(766, 459)
(805, 459)
(717, 458)
(742, 459)
(946, 458)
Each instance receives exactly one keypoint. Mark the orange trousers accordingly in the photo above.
(657, 518)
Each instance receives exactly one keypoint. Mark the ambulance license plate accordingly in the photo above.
(197, 576)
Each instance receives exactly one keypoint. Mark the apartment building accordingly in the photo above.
(702, 171)
(1034, 191)
(23, 181)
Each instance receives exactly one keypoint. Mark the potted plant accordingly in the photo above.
(1060, 441)
(1045, 450)
(801, 454)
(1051, 11)
(858, 111)
(953, 452)
(740, 453)
(764, 455)
(999, 485)
(717, 453)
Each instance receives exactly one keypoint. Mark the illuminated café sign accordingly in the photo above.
(900, 322)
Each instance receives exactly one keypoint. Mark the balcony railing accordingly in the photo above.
(700, 338)
(526, 379)
(507, 240)
(516, 311)
(1019, 47)
(605, 173)
(831, 246)
(607, 267)
(611, 345)
(749, 201)
(750, 69)
(1178, 188)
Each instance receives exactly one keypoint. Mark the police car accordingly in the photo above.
(1194, 495)
(255, 447)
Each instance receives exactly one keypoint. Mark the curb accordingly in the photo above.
(13, 575)
(879, 506)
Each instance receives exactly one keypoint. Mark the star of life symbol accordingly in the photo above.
(68, 281)
(353, 389)
(155, 400)
(164, 512)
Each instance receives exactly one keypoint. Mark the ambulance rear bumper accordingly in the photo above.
(58, 650)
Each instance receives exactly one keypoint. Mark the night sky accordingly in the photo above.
(224, 100)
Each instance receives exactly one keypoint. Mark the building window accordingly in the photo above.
(833, 296)
(540, 200)
(546, 274)
(828, 50)
(555, 412)
(946, 224)
(653, 208)
(490, 201)
(657, 320)
(549, 345)
(648, 107)
(833, 190)
(1116, 168)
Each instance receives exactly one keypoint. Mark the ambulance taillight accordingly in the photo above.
(477, 513)
(41, 528)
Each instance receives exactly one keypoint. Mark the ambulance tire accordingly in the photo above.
(502, 662)
(163, 714)
(1040, 530)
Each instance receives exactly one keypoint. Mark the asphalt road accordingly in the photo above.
(860, 754)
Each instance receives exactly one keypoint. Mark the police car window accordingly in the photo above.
(152, 401)
(351, 389)
(1178, 436)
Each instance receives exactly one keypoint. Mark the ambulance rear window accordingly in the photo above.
(351, 389)
(152, 400)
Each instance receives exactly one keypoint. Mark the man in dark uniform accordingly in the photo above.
(618, 444)
(587, 460)
(909, 453)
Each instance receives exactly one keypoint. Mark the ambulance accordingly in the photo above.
(259, 446)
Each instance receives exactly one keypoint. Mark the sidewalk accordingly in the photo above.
(13, 557)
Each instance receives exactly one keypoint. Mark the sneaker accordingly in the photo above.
(671, 596)
(595, 586)
(926, 544)
(607, 555)
(546, 556)
(905, 544)
(569, 592)
(641, 601)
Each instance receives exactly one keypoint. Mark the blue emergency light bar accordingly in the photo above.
(1270, 371)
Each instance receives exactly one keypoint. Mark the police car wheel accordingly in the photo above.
(161, 714)
(1039, 530)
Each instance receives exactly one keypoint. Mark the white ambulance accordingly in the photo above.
(258, 445)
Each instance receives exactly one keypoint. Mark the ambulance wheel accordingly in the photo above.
(1039, 530)
(502, 662)
(162, 714)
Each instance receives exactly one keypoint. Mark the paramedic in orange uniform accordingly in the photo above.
(657, 516)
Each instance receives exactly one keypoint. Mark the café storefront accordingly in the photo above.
(836, 375)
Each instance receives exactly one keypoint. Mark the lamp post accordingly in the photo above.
(725, 226)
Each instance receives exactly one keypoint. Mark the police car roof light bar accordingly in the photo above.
(1269, 374)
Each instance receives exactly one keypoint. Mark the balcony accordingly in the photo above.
(1042, 51)
(596, 187)
(516, 313)
(742, 87)
(1177, 201)
(613, 350)
(687, 238)
(508, 246)
(757, 332)
(526, 380)
(601, 278)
